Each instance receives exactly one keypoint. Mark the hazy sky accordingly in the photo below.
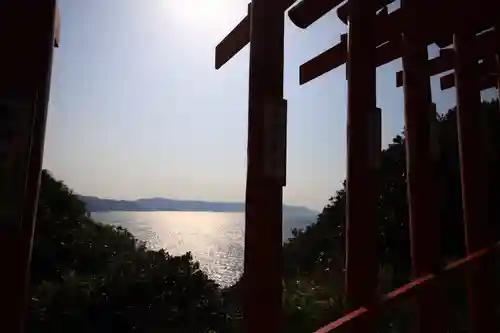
(138, 110)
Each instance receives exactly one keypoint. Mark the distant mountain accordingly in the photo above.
(95, 204)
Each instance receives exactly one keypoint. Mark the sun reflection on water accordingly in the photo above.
(214, 239)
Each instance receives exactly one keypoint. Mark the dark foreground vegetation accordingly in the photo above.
(88, 277)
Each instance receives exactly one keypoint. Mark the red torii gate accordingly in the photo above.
(264, 26)
(29, 30)
(376, 37)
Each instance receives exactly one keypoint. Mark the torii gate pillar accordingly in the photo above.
(262, 279)
(24, 91)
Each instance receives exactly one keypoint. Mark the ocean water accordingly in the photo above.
(214, 239)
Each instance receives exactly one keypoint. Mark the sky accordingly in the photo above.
(137, 108)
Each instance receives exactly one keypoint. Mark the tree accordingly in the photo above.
(89, 277)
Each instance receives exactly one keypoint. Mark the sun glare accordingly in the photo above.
(204, 15)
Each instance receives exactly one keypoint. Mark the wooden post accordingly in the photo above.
(424, 217)
(263, 225)
(361, 254)
(21, 67)
(43, 76)
(474, 182)
(306, 13)
(497, 54)
(494, 153)
(375, 132)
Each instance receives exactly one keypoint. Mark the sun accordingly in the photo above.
(205, 15)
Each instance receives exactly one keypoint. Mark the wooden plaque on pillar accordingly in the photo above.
(275, 142)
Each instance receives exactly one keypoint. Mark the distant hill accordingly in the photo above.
(95, 204)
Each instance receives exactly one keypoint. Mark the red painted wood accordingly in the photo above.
(485, 82)
(263, 264)
(48, 28)
(343, 11)
(388, 28)
(57, 28)
(361, 258)
(323, 63)
(474, 179)
(306, 12)
(421, 180)
(337, 54)
(445, 61)
(20, 67)
(390, 300)
(496, 33)
(233, 43)
(239, 37)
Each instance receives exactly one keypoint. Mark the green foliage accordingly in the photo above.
(89, 277)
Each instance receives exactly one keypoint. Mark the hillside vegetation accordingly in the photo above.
(89, 277)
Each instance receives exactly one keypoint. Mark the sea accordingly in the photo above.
(216, 240)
